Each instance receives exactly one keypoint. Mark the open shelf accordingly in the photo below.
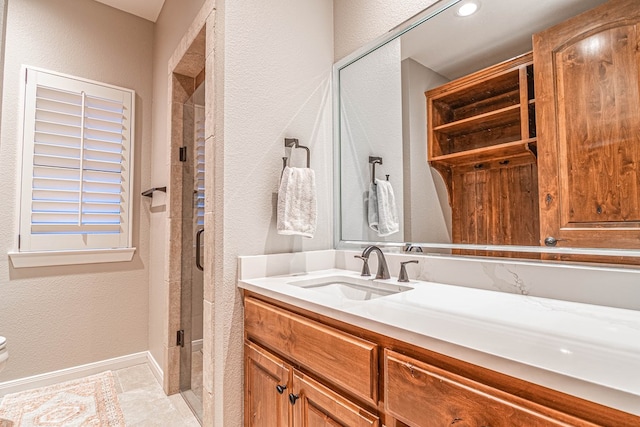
(497, 92)
(492, 110)
(499, 152)
(484, 130)
(496, 118)
(482, 140)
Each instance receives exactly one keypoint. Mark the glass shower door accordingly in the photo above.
(192, 249)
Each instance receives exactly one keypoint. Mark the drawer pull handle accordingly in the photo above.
(293, 398)
(281, 388)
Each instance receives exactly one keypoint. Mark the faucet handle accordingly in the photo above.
(365, 266)
(403, 276)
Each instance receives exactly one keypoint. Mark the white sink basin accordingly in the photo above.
(351, 288)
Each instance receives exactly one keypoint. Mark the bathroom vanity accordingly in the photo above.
(429, 354)
(470, 341)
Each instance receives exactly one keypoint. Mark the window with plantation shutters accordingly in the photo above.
(77, 164)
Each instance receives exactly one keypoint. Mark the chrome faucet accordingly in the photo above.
(383, 270)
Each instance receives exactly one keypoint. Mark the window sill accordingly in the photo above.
(51, 258)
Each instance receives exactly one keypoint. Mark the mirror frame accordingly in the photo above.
(420, 18)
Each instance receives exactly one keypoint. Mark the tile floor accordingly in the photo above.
(144, 403)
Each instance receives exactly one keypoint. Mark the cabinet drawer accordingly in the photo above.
(347, 361)
(423, 395)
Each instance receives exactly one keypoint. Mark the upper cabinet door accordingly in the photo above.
(587, 85)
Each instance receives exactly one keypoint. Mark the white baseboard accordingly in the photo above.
(76, 372)
(156, 369)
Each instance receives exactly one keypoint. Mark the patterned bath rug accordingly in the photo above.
(89, 401)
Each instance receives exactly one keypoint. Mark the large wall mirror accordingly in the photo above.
(436, 142)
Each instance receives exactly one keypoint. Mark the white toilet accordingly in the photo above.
(4, 354)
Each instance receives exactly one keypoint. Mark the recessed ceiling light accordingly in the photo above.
(467, 8)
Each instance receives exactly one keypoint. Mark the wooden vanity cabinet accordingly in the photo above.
(482, 140)
(587, 74)
(286, 346)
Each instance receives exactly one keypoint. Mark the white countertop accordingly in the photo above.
(585, 350)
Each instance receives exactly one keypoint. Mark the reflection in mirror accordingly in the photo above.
(382, 112)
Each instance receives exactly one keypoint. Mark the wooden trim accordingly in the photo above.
(472, 79)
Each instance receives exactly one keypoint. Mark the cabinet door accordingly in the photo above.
(264, 403)
(496, 205)
(587, 84)
(317, 406)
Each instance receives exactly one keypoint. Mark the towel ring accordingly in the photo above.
(375, 160)
(293, 143)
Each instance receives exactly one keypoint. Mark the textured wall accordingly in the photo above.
(273, 68)
(358, 22)
(59, 317)
(174, 20)
(278, 60)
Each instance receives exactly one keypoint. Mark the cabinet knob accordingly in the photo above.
(281, 388)
(551, 241)
(293, 398)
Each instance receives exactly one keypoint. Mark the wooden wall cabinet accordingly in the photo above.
(482, 140)
(484, 116)
(544, 149)
(587, 73)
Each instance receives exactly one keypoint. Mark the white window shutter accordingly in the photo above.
(77, 164)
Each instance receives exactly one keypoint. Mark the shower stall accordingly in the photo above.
(192, 158)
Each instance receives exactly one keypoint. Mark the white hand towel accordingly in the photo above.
(387, 212)
(297, 202)
(372, 208)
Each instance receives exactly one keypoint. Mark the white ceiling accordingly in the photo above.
(147, 9)
(501, 29)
